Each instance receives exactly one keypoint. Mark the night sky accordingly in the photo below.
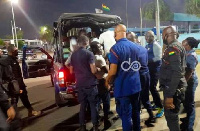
(45, 12)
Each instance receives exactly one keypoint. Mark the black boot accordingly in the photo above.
(107, 124)
(83, 128)
(150, 120)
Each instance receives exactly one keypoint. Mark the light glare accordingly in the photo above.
(14, 1)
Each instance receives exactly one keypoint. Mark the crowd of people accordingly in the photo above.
(134, 71)
(120, 63)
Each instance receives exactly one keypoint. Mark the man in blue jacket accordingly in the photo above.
(144, 78)
(124, 66)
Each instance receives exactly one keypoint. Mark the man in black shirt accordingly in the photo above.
(83, 65)
(16, 70)
(5, 107)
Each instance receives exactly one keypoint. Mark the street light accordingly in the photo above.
(44, 29)
(15, 2)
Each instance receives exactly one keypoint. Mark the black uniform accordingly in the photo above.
(172, 78)
(4, 106)
(16, 70)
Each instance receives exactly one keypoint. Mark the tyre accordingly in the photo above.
(60, 101)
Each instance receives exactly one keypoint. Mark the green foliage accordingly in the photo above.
(8, 37)
(149, 11)
(20, 34)
(1, 42)
(20, 44)
(193, 7)
(46, 33)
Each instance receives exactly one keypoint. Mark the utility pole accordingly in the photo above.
(158, 21)
(12, 31)
(141, 18)
(126, 14)
(13, 14)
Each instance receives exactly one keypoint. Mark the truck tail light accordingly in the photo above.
(61, 78)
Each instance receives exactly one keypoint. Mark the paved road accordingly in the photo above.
(41, 95)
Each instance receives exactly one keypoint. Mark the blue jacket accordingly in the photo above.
(126, 55)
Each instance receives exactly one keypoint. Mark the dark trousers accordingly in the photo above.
(85, 95)
(172, 115)
(128, 109)
(3, 124)
(154, 69)
(104, 96)
(145, 83)
(23, 97)
(190, 103)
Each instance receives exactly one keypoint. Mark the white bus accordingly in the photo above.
(34, 43)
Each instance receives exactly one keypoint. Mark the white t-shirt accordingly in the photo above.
(100, 62)
(108, 40)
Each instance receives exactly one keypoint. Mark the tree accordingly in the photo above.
(193, 7)
(1, 42)
(46, 33)
(149, 11)
(20, 44)
(20, 35)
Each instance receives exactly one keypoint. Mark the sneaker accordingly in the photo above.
(154, 107)
(34, 113)
(160, 113)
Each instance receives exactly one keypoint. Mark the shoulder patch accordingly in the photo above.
(172, 53)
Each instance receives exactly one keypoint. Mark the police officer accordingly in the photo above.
(16, 70)
(124, 68)
(154, 63)
(172, 77)
(192, 81)
(144, 78)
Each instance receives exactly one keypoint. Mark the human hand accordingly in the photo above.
(107, 84)
(11, 114)
(169, 103)
(20, 91)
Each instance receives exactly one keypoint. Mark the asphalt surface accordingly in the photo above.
(41, 96)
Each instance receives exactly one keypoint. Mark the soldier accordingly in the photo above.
(172, 78)
(192, 81)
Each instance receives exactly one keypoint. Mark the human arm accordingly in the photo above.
(191, 65)
(176, 73)
(111, 75)
(91, 60)
(11, 114)
(5, 105)
(114, 60)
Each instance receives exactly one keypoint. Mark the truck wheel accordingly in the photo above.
(60, 101)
